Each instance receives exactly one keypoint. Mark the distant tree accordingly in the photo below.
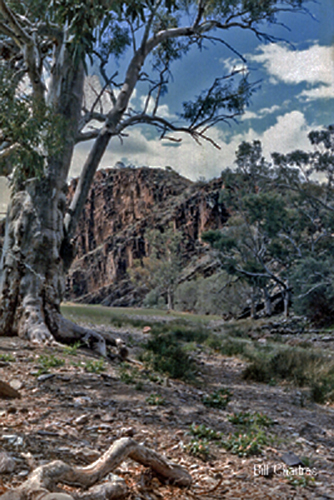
(250, 245)
(45, 47)
(161, 269)
(312, 276)
(280, 217)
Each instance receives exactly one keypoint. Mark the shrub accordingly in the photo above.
(249, 419)
(218, 399)
(203, 432)
(198, 448)
(155, 400)
(46, 362)
(165, 354)
(245, 444)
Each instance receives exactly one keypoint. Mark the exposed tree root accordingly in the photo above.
(43, 482)
(69, 332)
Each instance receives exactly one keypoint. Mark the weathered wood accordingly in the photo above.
(43, 482)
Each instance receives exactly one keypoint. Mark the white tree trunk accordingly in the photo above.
(35, 258)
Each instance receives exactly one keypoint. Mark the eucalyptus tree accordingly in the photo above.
(280, 231)
(312, 275)
(45, 49)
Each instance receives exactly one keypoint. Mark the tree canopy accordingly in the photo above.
(280, 231)
(46, 49)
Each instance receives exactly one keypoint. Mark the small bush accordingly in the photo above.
(218, 399)
(198, 448)
(165, 354)
(72, 350)
(155, 400)
(203, 432)
(245, 444)
(292, 363)
(250, 419)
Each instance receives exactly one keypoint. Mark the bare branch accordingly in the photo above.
(30, 50)
(88, 136)
(21, 35)
(5, 30)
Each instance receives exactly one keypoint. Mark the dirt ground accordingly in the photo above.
(74, 415)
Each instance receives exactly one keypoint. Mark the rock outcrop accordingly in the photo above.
(122, 205)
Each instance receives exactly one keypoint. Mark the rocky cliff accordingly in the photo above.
(122, 205)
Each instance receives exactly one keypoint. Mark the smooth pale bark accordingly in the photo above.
(35, 256)
(43, 482)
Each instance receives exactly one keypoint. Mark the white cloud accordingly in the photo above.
(250, 115)
(162, 111)
(189, 159)
(314, 66)
(192, 160)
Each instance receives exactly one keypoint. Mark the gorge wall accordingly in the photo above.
(122, 205)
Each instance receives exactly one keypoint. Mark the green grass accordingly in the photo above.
(174, 337)
(98, 315)
(7, 358)
(45, 362)
(72, 350)
(198, 448)
(274, 362)
(95, 366)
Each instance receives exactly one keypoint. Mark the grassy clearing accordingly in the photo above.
(119, 316)
(171, 347)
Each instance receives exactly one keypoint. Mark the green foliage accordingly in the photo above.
(312, 281)
(155, 400)
(72, 350)
(33, 133)
(246, 443)
(301, 481)
(7, 358)
(216, 294)
(303, 367)
(95, 366)
(48, 361)
(165, 354)
(203, 432)
(198, 448)
(220, 97)
(247, 419)
(218, 399)
(160, 271)
(281, 222)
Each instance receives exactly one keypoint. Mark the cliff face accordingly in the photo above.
(121, 206)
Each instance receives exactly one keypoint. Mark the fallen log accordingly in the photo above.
(43, 483)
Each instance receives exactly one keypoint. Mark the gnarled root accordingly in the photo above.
(42, 482)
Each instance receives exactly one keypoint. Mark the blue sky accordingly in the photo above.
(296, 96)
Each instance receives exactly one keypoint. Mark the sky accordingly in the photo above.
(296, 95)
